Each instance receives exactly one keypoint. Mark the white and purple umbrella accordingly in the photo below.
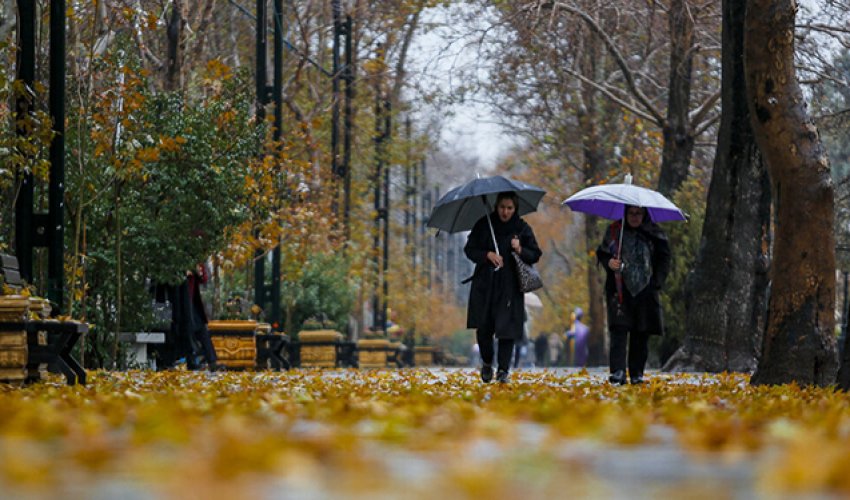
(610, 201)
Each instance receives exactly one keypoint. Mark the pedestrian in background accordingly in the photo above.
(578, 334)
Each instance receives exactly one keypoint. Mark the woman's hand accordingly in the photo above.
(515, 244)
(614, 264)
(495, 259)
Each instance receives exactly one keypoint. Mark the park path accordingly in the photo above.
(412, 433)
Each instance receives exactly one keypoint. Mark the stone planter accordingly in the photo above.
(372, 353)
(318, 348)
(234, 342)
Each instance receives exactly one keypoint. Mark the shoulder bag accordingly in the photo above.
(529, 278)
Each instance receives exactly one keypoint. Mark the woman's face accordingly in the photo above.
(634, 216)
(506, 209)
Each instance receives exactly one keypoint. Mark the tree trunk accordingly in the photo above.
(596, 310)
(844, 371)
(589, 119)
(799, 344)
(726, 292)
(677, 131)
(174, 63)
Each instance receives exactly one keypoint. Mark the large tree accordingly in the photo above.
(725, 335)
(799, 344)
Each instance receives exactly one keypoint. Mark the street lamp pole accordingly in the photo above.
(262, 99)
(277, 92)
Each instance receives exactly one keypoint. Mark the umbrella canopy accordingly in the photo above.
(610, 201)
(460, 208)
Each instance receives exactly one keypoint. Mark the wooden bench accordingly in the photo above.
(270, 349)
(49, 341)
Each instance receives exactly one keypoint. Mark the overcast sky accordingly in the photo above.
(437, 59)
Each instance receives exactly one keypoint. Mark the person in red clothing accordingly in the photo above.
(195, 322)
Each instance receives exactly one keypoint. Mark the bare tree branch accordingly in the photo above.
(658, 117)
(699, 114)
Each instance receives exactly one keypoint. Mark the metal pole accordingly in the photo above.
(414, 221)
(336, 9)
(277, 91)
(347, 123)
(408, 188)
(262, 96)
(23, 107)
(376, 309)
(429, 242)
(844, 316)
(56, 186)
(386, 211)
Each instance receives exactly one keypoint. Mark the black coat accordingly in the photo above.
(641, 313)
(495, 302)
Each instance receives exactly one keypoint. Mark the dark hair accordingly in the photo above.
(508, 195)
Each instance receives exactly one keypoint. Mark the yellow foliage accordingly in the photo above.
(545, 430)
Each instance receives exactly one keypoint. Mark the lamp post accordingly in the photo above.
(262, 99)
(31, 229)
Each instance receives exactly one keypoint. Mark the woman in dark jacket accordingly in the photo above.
(496, 305)
(634, 279)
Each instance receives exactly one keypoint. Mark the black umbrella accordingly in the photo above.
(460, 208)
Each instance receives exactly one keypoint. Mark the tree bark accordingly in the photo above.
(726, 292)
(799, 344)
(174, 63)
(844, 371)
(596, 311)
(589, 119)
(678, 135)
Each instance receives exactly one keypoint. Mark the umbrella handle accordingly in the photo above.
(490, 223)
(620, 239)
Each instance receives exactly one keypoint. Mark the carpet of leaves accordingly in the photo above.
(417, 433)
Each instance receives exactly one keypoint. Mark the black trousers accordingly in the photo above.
(201, 339)
(638, 351)
(486, 348)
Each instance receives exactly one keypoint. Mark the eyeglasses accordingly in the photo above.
(635, 213)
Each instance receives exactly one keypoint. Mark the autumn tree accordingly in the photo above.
(726, 291)
(799, 343)
(689, 109)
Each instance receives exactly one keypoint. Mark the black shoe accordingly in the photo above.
(638, 380)
(502, 376)
(618, 377)
(486, 373)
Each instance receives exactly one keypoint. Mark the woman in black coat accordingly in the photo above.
(496, 305)
(632, 286)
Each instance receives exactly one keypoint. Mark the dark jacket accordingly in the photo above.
(495, 301)
(641, 313)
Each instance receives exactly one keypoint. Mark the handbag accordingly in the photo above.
(529, 278)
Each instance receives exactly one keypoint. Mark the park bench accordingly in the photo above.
(138, 343)
(49, 342)
(246, 344)
(380, 353)
(322, 349)
(270, 349)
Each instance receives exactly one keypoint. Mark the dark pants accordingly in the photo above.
(201, 337)
(638, 347)
(486, 348)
